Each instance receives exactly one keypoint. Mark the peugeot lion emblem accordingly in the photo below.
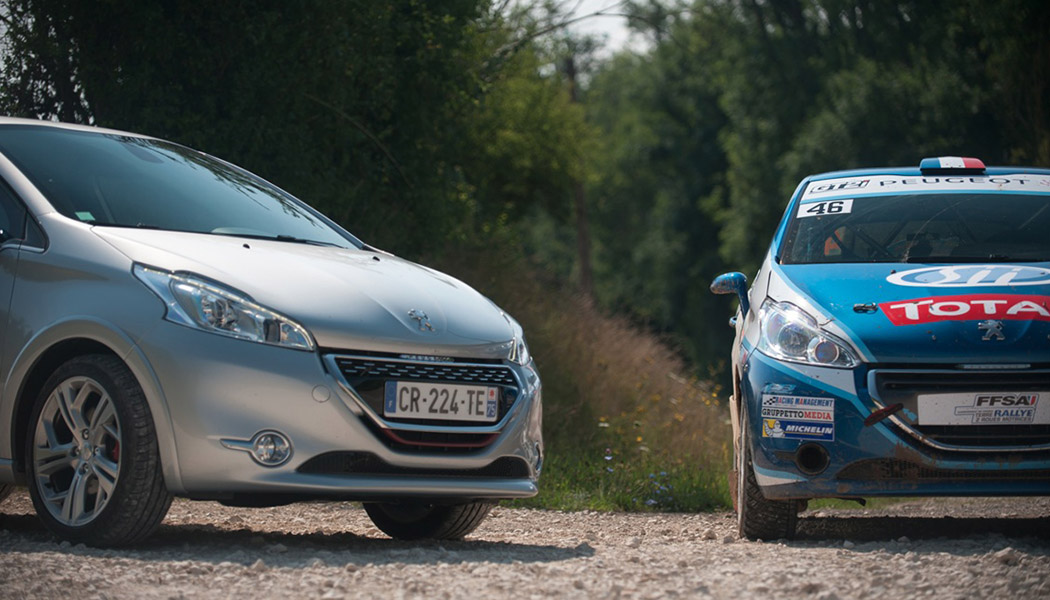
(993, 330)
(421, 318)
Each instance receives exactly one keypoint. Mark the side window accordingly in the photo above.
(12, 216)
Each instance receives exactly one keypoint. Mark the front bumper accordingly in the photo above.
(220, 392)
(886, 458)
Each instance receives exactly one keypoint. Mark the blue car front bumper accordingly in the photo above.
(828, 451)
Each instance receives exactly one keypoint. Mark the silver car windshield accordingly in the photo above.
(126, 181)
(924, 228)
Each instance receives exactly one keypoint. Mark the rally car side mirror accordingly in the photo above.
(733, 283)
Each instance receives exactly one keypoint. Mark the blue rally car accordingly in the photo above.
(895, 341)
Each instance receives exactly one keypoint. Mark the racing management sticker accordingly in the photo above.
(798, 417)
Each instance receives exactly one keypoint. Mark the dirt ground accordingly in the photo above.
(943, 548)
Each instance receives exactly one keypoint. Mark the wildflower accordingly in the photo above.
(638, 439)
(609, 469)
(608, 454)
(650, 502)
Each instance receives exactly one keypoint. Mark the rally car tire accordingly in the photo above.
(757, 516)
(415, 520)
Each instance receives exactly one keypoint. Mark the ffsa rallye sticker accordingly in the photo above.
(1022, 408)
(798, 418)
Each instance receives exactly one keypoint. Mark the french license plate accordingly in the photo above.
(444, 401)
(985, 408)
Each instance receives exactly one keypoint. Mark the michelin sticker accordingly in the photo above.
(798, 417)
(893, 184)
(992, 408)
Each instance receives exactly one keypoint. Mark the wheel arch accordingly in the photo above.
(49, 349)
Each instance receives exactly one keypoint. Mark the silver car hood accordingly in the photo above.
(349, 299)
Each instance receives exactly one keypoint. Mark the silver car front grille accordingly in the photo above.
(365, 377)
(383, 368)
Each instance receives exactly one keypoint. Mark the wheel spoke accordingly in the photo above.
(102, 421)
(73, 506)
(50, 460)
(106, 473)
(69, 408)
(106, 468)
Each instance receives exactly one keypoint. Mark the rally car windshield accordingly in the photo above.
(920, 228)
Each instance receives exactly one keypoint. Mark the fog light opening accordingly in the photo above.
(271, 448)
(811, 458)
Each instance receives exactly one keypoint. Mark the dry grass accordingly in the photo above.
(626, 425)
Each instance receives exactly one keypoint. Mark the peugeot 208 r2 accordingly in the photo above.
(174, 325)
(895, 342)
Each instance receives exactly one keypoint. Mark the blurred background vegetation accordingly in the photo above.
(592, 194)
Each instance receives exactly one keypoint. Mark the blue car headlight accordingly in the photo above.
(202, 304)
(788, 333)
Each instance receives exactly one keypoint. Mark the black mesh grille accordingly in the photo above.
(366, 463)
(904, 387)
(890, 469)
(362, 368)
(369, 375)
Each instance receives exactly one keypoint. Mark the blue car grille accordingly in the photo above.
(905, 386)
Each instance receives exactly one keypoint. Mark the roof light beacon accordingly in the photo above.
(962, 165)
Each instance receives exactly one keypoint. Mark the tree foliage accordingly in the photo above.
(410, 121)
(427, 124)
(706, 134)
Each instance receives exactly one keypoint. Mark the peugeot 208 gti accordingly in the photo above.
(176, 326)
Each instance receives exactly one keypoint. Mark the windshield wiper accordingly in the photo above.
(281, 238)
(991, 258)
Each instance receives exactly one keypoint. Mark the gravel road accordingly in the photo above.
(957, 548)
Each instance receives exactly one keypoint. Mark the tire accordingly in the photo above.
(92, 460)
(757, 516)
(414, 521)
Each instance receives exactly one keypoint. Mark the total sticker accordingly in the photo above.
(828, 208)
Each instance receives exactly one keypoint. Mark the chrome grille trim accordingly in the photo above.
(873, 393)
(332, 362)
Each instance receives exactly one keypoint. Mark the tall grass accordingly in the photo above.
(626, 427)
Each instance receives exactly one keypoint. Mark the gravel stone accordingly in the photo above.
(944, 548)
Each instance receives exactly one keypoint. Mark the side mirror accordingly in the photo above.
(733, 283)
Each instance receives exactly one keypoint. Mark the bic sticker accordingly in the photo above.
(830, 207)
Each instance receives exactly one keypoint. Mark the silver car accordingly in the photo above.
(176, 326)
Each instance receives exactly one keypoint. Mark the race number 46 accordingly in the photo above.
(829, 207)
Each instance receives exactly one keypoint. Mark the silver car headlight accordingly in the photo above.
(520, 351)
(196, 302)
(788, 333)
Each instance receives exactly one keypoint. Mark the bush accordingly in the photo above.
(625, 427)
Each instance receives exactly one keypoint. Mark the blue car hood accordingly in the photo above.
(963, 313)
